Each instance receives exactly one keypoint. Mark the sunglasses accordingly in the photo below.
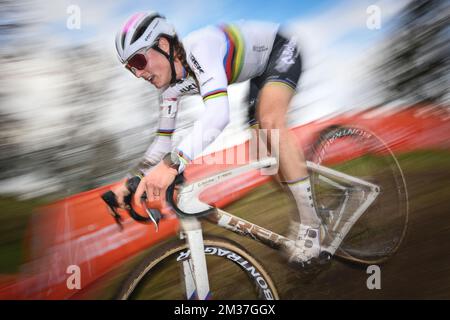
(137, 62)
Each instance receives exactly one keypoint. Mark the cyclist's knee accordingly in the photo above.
(273, 106)
(271, 122)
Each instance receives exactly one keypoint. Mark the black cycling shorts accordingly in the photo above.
(284, 67)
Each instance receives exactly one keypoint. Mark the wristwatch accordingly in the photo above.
(172, 160)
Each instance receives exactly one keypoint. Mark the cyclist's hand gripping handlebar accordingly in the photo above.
(110, 199)
(180, 179)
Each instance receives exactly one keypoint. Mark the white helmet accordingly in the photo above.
(142, 30)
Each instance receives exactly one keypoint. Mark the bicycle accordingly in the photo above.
(354, 175)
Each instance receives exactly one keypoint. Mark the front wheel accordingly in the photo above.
(357, 152)
(233, 274)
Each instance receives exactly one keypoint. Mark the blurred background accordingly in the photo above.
(72, 119)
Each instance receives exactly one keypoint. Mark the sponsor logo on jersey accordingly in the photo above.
(195, 63)
(260, 48)
(287, 57)
(205, 82)
(188, 88)
(288, 54)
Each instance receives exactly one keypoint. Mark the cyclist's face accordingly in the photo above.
(157, 71)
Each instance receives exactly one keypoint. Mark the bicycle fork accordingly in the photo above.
(194, 269)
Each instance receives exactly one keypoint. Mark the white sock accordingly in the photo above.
(301, 190)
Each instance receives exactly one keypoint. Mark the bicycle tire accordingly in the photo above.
(379, 232)
(146, 281)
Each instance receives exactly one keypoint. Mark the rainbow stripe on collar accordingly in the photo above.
(234, 56)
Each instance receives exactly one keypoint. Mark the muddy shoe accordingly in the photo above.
(307, 251)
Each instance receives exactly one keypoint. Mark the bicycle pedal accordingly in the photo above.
(322, 260)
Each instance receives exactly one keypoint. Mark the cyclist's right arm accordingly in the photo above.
(160, 146)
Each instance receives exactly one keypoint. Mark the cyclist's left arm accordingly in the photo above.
(205, 57)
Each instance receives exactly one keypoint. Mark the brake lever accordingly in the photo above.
(110, 199)
(154, 215)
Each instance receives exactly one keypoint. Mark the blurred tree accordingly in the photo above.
(87, 162)
(9, 146)
(415, 64)
(87, 154)
(105, 162)
(17, 18)
(80, 145)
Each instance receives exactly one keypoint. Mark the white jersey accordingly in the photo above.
(219, 56)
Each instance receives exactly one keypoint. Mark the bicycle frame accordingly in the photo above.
(195, 269)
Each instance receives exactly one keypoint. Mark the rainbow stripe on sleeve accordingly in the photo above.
(234, 56)
(165, 132)
(215, 94)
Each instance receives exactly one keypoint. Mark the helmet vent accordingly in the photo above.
(142, 27)
(122, 40)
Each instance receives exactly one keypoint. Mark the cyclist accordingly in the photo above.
(206, 62)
